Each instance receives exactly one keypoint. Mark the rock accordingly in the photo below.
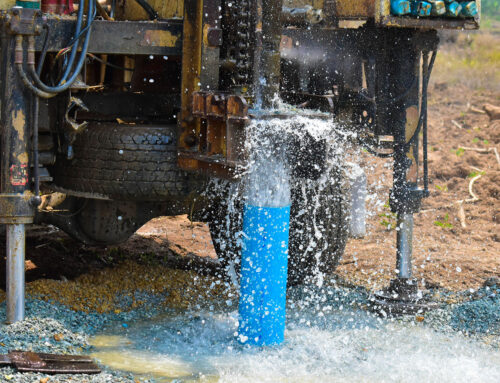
(44, 380)
(419, 318)
(58, 337)
(491, 281)
(492, 111)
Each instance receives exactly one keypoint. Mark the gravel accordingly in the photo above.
(54, 328)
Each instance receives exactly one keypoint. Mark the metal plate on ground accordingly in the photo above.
(28, 361)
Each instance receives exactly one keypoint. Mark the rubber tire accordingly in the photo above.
(330, 219)
(99, 222)
(126, 162)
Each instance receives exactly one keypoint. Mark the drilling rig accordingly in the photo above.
(121, 110)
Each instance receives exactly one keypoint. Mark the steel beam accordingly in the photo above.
(119, 37)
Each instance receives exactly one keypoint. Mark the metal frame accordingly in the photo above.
(121, 37)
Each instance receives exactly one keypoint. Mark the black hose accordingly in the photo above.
(43, 53)
(64, 86)
(79, 21)
(36, 200)
(153, 15)
(425, 71)
(425, 85)
(29, 85)
(110, 64)
(422, 120)
(113, 7)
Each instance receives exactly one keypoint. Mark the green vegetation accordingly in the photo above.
(389, 219)
(459, 151)
(471, 58)
(443, 188)
(474, 174)
(444, 223)
(490, 9)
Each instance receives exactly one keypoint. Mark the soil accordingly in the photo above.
(447, 252)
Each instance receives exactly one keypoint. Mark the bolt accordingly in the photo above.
(15, 12)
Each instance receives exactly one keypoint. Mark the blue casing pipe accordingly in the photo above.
(264, 267)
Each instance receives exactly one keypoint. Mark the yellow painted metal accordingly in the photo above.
(355, 9)
(316, 4)
(159, 38)
(191, 69)
(7, 4)
(167, 9)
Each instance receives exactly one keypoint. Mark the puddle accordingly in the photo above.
(336, 345)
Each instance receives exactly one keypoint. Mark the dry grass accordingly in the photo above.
(472, 60)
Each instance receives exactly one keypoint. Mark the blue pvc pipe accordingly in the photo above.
(264, 267)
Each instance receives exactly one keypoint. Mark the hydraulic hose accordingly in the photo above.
(74, 48)
(68, 82)
(153, 15)
(22, 74)
(43, 53)
(422, 120)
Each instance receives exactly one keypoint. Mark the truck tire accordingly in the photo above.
(319, 228)
(126, 162)
(97, 222)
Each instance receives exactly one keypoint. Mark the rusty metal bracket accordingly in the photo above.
(221, 140)
(27, 361)
(219, 105)
(74, 105)
(23, 21)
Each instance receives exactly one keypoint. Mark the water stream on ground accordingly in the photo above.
(330, 335)
(329, 341)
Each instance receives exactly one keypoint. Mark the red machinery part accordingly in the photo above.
(58, 7)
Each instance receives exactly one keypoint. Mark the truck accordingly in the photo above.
(115, 112)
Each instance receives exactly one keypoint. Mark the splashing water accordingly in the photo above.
(329, 337)
(328, 342)
(298, 159)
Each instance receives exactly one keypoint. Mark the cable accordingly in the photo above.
(153, 15)
(29, 85)
(36, 200)
(425, 85)
(422, 121)
(44, 50)
(110, 64)
(79, 21)
(64, 84)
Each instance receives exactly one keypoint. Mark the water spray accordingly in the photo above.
(266, 216)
